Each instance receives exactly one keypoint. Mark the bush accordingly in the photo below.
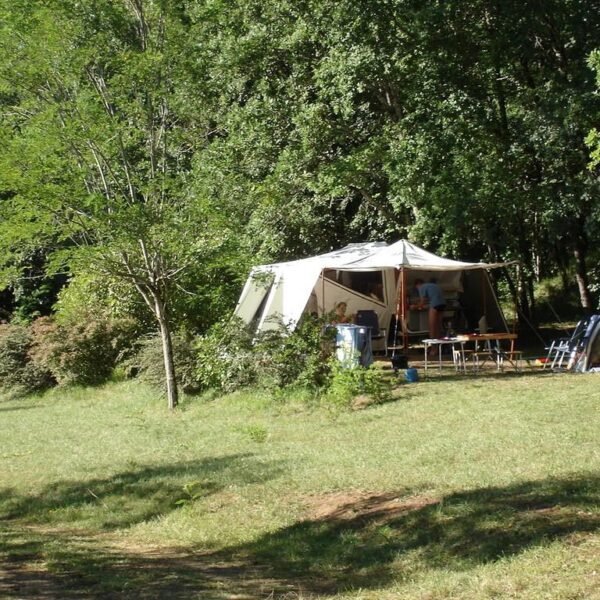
(225, 358)
(348, 383)
(230, 358)
(298, 359)
(103, 297)
(148, 362)
(20, 373)
(83, 353)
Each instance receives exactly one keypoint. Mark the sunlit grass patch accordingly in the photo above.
(471, 488)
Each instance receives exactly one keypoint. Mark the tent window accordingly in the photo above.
(261, 307)
(367, 283)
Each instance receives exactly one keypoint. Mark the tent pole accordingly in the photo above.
(323, 289)
(484, 290)
(402, 307)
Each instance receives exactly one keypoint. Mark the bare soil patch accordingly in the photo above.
(346, 506)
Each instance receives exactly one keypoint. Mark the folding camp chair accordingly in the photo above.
(369, 318)
(563, 350)
(400, 330)
(413, 325)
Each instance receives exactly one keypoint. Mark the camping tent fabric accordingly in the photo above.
(403, 254)
(288, 286)
(291, 283)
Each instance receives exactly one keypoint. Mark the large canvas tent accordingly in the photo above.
(373, 276)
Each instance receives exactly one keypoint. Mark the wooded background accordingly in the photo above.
(155, 149)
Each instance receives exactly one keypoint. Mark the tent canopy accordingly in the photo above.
(403, 254)
(378, 255)
(279, 293)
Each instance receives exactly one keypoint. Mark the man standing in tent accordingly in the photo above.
(431, 296)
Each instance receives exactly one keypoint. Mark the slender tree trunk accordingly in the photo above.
(167, 345)
(580, 254)
(522, 293)
(156, 302)
(512, 287)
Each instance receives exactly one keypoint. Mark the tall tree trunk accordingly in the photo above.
(522, 294)
(580, 254)
(156, 302)
(580, 251)
(167, 345)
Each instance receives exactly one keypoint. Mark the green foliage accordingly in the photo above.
(46, 352)
(82, 353)
(593, 138)
(20, 372)
(297, 359)
(211, 286)
(348, 383)
(192, 490)
(108, 297)
(230, 357)
(172, 146)
(33, 289)
(100, 138)
(147, 362)
(225, 358)
(341, 126)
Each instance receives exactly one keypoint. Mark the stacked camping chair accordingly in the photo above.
(569, 353)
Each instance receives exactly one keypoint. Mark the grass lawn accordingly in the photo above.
(473, 488)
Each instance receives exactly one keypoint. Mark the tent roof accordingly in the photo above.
(407, 255)
(336, 259)
(378, 255)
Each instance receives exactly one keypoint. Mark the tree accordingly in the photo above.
(593, 139)
(98, 142)
(459, 123)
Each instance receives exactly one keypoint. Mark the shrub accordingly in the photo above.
(229, 358)
(20, 373)
(148, 362)
(348, 383)
(103, 297)
(83, 353)
(298, 359)
(225, 359)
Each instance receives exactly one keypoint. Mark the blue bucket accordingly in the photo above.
(412, 375)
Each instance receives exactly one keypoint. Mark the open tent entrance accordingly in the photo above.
(470, 302)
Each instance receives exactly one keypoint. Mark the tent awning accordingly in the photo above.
(403, 254)
(378, 255)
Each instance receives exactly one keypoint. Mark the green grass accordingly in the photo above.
(461, 488)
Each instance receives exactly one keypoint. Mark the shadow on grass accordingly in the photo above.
(485, 377)
(133, 496)
(363, 543)
(16, 407)
(359, 543)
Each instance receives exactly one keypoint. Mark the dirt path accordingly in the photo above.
(101, 566)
